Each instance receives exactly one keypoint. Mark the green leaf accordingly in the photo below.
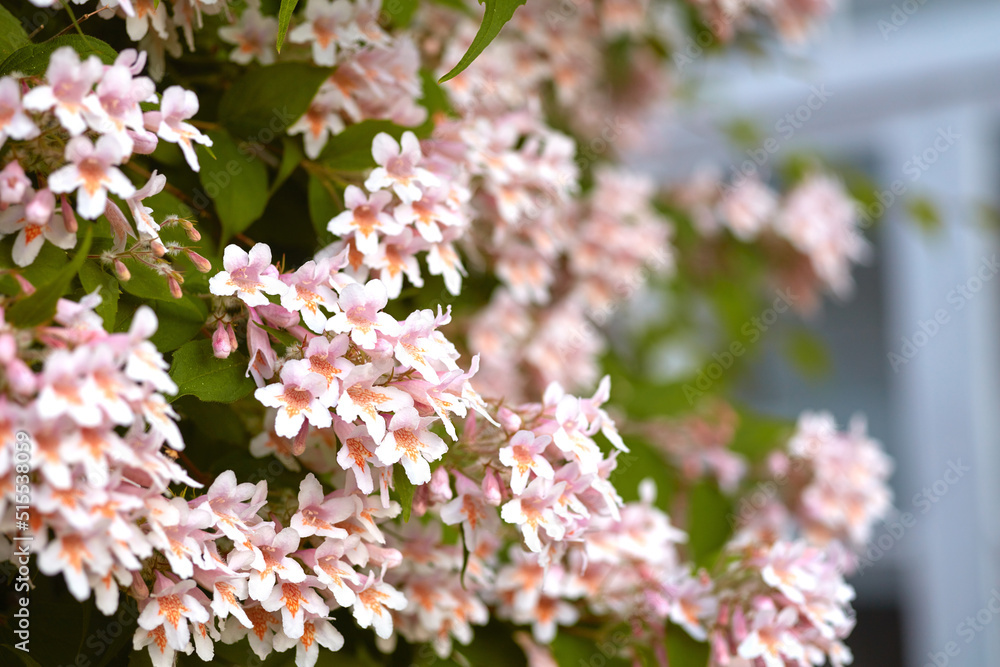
(179, 321)
(322, 207)
(404, 487)
(199, 373)
(262, 103)
(683, 650)
(291, 158)
(497, 13)
(41, 306)
(284, 18)
(400, 11)
(925, 213)
(708, 515)
(351, 150)
(808, 353)
(236, 182)
(282, 337)
(14, 36)
(145, 282)
(92, 276)
(33, 59)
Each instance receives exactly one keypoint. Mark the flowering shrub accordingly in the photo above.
(305, 344)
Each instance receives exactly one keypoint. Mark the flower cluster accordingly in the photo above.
(834, 491)
(812, 232)
(783, 604)
(72, 131)
(104, 443)
(349, 367)
(234, 575)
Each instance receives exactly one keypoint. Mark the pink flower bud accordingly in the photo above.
(491, 488)
(119, 225)
(175, 288)
(157, 247)
(221, 343)
(199, 262)
(138, 588)
(232, 336)
(720, 649)
(8, 348)
(20, 377)
(26, 287)
(421, 501)
(69, 217)
(41, 207)
(509, 421)
(192, 233)
(440, 486)
(739, 625)
(143, 143)
(122, 271)
(13, 183)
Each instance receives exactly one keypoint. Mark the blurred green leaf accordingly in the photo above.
(236, 182)
(264, 102)
(808, 354)
(199, 373)
(284, 18)
(41, 306)
(33, 59)
(14, 36)
(924, 212)
(92, 277)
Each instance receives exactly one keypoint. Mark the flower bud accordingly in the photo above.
(157, 247)
(69, 218)
(122, 271)
(221, 344)
(26, 286)
(175, 288)
(199, 262)
(509, 420)
(440, 486)
(192, 233)
(20, 377)
(138, 588)
(232, 336)
(491, 488)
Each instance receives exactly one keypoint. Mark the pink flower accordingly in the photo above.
(443, 260)
(356, 451)
(69, 82)
(398, 167)
(336, 574)
(254, 35)
(524, 454)
(69, 553)
(772, 637)
(176, 107)
(408, 440)
(318, 515)
(365, 218)
(469, 508)
(316, 632)
(534, 510)
(320, 120)
(272, 560)
(295, 601)
(428, 216)
(250, 276)
(308, 289)
(163, 621)
(92, 174)
(374, 600)
(14, 123)
(328, 25)
(361, 315)
(148, 229)
(113, 108)
(325, 359)
(297, 398)
(35, 222)
(13, 183)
